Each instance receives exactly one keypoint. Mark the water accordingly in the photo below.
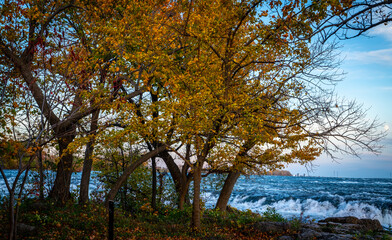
(311, 197)
(32, 183)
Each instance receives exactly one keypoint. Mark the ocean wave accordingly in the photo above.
(313, 209)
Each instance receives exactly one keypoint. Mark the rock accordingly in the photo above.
(353, 220)
(370, 225)
(38, 206)
(25, 229)
(313, 226)
(353, 223)
(309, 234)
(330, 236)
(285, 238)
(340, 228)
(272, 227)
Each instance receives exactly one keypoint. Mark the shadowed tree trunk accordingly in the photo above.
(227, 190)
(88, 161)
(60, 191)
(232, 178)
(183, 198)
(86, 173)
(179, 179)
(154, 183)
(41, 175)
(196, 211)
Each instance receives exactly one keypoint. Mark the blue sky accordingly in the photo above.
(367, 62)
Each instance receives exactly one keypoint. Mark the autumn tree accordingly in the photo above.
(22, 131)
(43, 54)
(243, 68)
(352, 19)
(254, 90)
(235, 86)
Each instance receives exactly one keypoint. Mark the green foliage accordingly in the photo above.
(136, 192)
(74, 221)
(271, 215)
(233, 218)
(296, 224)
(90, 222)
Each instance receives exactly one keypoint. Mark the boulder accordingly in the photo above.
(355, 223)
(309, 234)
(272, 227)
(25, 229)
(370, 225)
(349, 219)
(285, 238)
(337, 228)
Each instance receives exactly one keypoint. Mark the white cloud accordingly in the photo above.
(383, 56)
(382, 30)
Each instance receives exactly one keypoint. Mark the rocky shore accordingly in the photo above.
(337, 228)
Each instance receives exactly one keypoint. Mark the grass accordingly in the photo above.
(90, 222)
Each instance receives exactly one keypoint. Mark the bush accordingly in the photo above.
(272, 216)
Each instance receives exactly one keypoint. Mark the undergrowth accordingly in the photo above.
(91, 222)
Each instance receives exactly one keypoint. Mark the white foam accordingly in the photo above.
(317, 210)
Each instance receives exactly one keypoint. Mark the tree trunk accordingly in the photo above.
(14, 208)
(41, 176)
(88, 161)
(175, 173)
(86, 173)
(184, 195)
(154, 183)
(196, 213)
(233, 177)
(60, 191)
(161, 186)
(227, 190)
(12, 232)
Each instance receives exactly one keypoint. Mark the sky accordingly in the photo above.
(367, 62)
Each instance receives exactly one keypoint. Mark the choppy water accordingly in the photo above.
(311, 197)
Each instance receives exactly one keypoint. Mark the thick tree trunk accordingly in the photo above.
(196, 213)
(60, 191)
(178, 178)
(232, 177)
(227, 190)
